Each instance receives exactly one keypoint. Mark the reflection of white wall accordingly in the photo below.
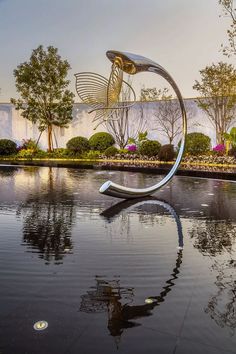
(14, 127)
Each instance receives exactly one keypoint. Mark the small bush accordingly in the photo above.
(101, 141)
(26, 153)
(78, 145)
(132, 148)
(29, 144)
(166, 153)
(111, 151)
(60, 152)
(219, 149)
(7, 147)
(232, 151)
(92, 155)
(197, 144)
(150, 148)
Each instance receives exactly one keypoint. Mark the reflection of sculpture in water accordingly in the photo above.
(214, 238)
(47, 220)
(109, 296)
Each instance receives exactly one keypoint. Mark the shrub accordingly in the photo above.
(78, 145)
(92, 155)
(219, 149)
(101, 141)
(150, 148)
(197, 144)
(166, 153)
(7, 147)
(111, 151)
(60, 152)
(232, 151)
(29, 144)
(26, 153)
(132, 148)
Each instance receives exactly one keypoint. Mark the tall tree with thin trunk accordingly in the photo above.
(42, 85)
(217, 99)
(229, 10)
(167, 116)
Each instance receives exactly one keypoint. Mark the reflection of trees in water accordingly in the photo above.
(110, 297)
(222, 306)
(8, 171)
(48, 215)
(216, 239)
(213, 237)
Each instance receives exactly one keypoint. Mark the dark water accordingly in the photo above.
(111, 278)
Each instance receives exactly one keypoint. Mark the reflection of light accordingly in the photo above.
(204, 205)
(40, 325)
(148, 301)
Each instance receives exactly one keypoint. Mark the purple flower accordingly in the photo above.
(132, 147)
(219, 148)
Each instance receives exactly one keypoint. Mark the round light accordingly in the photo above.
(40, 325)
(148, 301)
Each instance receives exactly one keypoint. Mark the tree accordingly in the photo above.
(230, 11)
(42, 84)
(122, 126)
(167, 117)
(218, 96)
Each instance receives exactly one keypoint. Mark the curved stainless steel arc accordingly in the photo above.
(133, 64)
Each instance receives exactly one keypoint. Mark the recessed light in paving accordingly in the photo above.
(40, 325)
(148, 301)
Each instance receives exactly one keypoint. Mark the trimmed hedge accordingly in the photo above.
(101, 141)
(166, 153)
(197, 144)
(7, 147)
(150, 148)
(78, 145)
(111, 151)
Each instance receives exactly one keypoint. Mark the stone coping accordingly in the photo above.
(217, 171)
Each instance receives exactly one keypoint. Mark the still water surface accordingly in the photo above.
(110, 276)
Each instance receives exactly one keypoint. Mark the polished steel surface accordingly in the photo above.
(102, 95)
(133, 64)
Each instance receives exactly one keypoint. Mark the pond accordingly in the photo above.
(155, 275)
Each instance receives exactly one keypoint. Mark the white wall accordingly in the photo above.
(13, 126)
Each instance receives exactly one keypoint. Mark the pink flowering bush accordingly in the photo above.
(132, 148)
(219, 149)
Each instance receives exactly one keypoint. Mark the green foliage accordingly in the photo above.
(150, 148)
(218, 96)
(7, 147)
(197, 144)
(229, 10)
(42, 85)
(78, 145)
(26, 153)
(101, 141)
(111, 151)
(92, 155)
(60, 153)
(166, 153)
(29, 144)
(231, 136)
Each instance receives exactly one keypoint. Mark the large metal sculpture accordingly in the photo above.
(103, 97)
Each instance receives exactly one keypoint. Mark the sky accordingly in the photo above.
(183, 36)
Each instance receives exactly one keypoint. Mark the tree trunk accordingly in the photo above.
(50, 145)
